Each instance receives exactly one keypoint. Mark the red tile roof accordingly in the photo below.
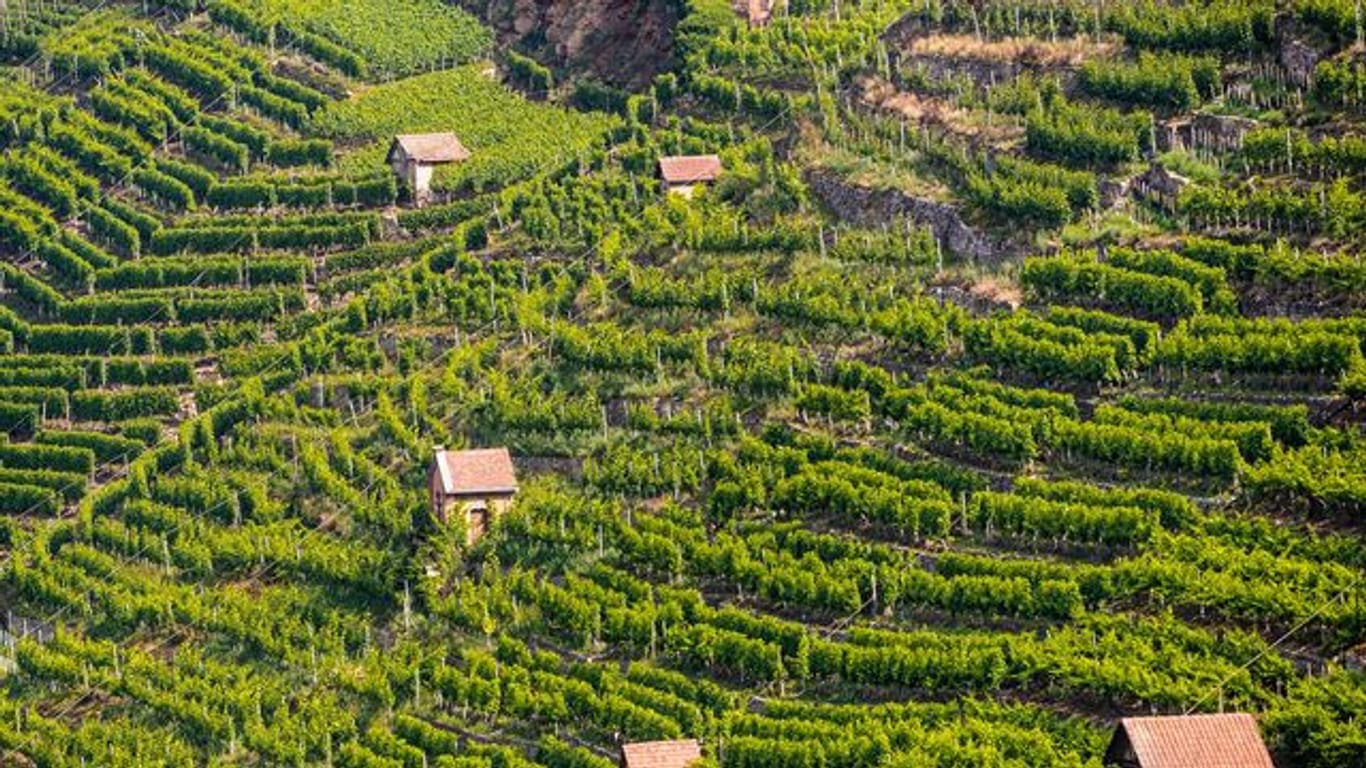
(661, 754)
(483, 471)
(689, 169)
(1192, 741)
(430, 147)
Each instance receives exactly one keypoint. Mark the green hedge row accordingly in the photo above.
(163, 189)
(378, 255)
(170, 272)
(151, 122)
(119, 405)
(240, 305)
(238, 240)
(191, 307)
(29, 288)
(76, 372)
(61, 260)
(20, 231)
(50, 399)
(64, 376)
(315, 219)
(247, 194)
(27, 174)
(19, 417)
(292, 90)
(116, 310)
(193, 176)
(91, 339)
(70, 485)
(254, 139)
(274, 106)
(288, 153)
(230, 154)
(146, 430)
(106, 447)
(183, 105)
(86, 250)
(28, 499)
(145, 224)
(198, 77)
(49, 457)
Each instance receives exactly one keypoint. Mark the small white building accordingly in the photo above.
(682, 173)
(414, 158)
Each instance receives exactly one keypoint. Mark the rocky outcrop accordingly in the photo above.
(1299, 59)
(1160, 186)
(1295, 53)
(1112, 191)
(1204, 130)
(621, 42)
(869, 207)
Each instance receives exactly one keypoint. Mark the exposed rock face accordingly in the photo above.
(621, 42)
(1203, 130)
(874, 207)
(1295, 53)
(1112, 191)
(1160, 186)
(1299, 58)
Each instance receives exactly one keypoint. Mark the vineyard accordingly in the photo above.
(1008, 381)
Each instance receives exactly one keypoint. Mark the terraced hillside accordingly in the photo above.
(1008, 382)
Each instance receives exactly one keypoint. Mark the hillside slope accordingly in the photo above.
(984, 373)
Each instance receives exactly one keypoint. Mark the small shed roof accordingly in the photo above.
(1191, 741)
(689, 169)
(661, 754)
(430, 147)
(482, 471)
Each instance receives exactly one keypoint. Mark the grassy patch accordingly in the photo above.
(509, 137)
(395, 37)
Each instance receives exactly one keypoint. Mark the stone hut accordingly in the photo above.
(414, 158)
(681, 174)
(478, 484)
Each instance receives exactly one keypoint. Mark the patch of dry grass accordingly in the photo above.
(1000, 130)
(1029, 51)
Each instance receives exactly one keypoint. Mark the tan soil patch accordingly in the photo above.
(1027, 51)
(993, 290)
(929, 110)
